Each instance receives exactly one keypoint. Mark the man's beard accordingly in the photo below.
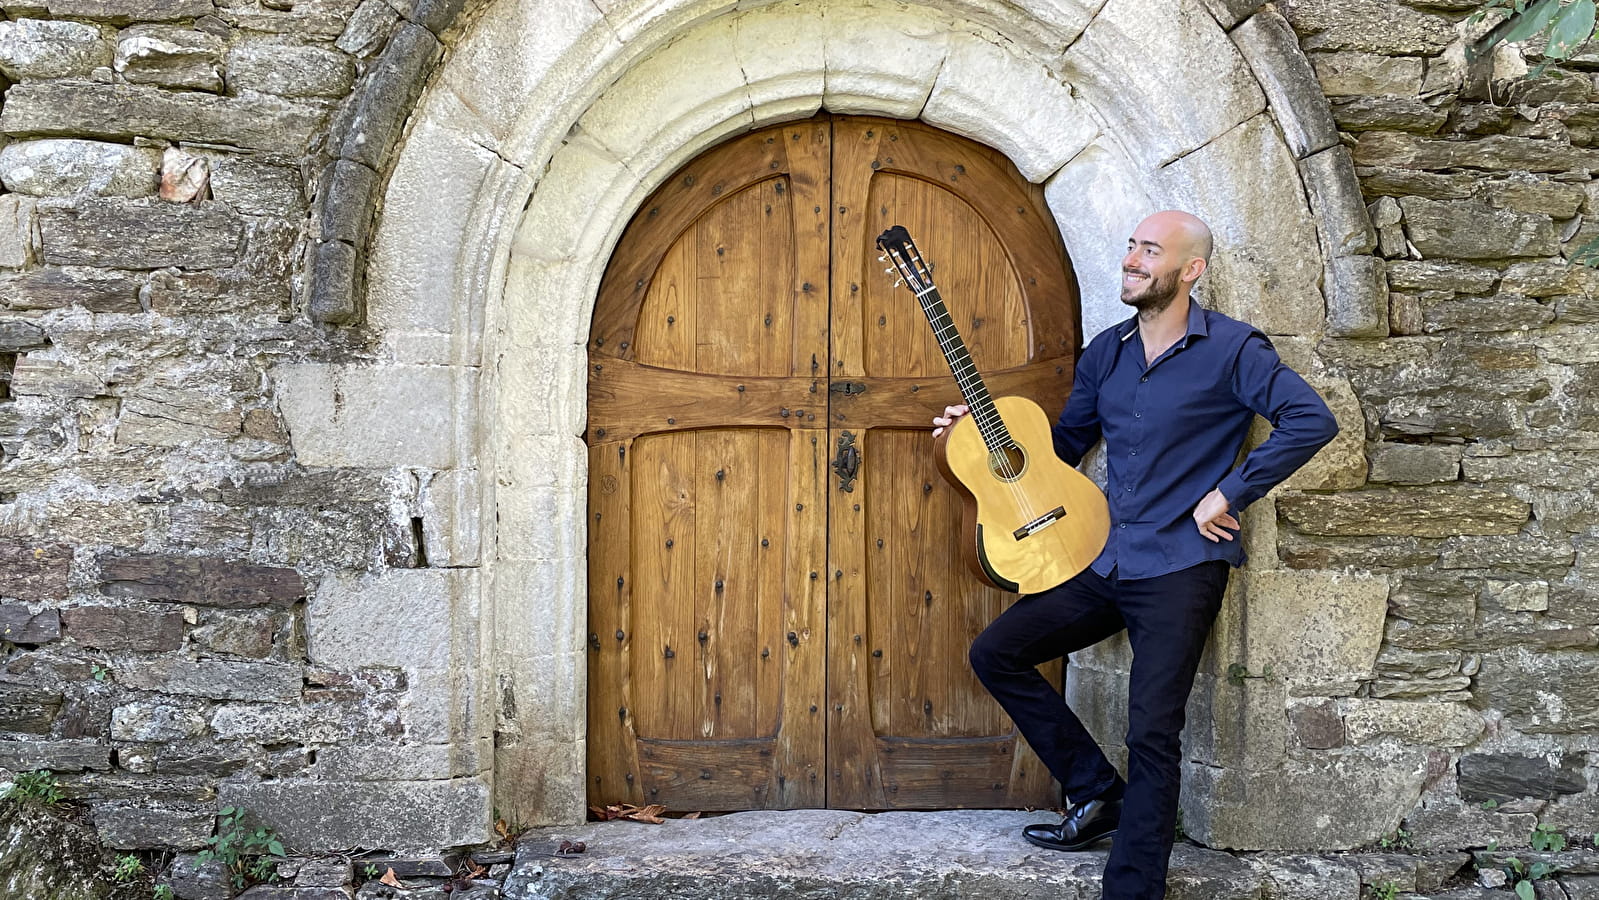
(1158, 293)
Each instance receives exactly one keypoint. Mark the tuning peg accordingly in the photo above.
(883, 258)
(889, 270)
(899, 282)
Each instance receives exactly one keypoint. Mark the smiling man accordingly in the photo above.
(1172, 391)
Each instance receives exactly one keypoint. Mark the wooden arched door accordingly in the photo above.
(765, 633)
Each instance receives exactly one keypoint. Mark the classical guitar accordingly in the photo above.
(1029, 520)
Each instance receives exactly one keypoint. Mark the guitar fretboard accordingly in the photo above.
(995, 435)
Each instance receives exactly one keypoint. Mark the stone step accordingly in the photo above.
(967, 854)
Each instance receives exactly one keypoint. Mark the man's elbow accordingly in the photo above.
(1325, 427)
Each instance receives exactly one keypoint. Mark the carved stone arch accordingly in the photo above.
(548, 122)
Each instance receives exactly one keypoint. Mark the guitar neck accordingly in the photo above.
(972, 388)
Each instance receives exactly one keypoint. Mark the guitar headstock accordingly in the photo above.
(899, 250)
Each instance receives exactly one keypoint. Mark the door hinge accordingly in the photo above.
(847, 387)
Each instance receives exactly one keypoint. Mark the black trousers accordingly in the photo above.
(1167, 620)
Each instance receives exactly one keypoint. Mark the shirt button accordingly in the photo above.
(1138, 415)
(1134, 453)
(1145, 378)
(1129, 490)
(1122, 525)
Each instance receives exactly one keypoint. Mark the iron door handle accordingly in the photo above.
(847, 463)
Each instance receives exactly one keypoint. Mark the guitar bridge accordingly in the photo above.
(1040, 523)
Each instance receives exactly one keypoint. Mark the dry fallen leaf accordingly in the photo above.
(389, 879)
(650, 814)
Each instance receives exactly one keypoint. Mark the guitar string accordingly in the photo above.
(999, 458)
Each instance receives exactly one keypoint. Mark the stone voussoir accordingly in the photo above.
(387, 95)
(336, 277)
(1268, 44)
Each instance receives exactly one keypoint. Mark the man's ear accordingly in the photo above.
(1194, 268)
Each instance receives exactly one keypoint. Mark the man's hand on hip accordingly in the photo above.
(1213, 519)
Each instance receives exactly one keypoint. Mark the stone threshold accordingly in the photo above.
(968, 854)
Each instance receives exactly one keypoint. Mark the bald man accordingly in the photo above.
(1172, 391)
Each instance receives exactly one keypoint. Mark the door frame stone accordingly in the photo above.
(547, 124)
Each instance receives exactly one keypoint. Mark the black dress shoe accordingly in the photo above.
(1084, 824)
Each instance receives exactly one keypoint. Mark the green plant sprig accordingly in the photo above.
(249, 857)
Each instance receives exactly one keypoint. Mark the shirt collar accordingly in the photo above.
(1196, 323)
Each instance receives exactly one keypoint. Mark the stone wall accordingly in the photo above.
(1478, 508)
(246, 531)
(181, 608)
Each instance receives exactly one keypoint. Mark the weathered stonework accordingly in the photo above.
(224, 460)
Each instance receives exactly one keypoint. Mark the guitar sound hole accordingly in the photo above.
(1007, 464)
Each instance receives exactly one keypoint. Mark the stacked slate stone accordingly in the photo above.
(157, 542)
(1479, 391)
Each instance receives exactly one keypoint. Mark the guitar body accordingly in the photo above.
(1068, 517)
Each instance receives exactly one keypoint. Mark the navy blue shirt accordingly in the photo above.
(1173, 429)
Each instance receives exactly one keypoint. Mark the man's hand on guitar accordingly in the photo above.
(951, 413)
(1213, 519)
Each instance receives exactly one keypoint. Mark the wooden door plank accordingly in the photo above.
(627, 399)
(854, 778)
(984, 180)
(808, 153)
(802, 643)
(725, 616)
(913, 401)
(664, 525)
(611, 754)
(936, 739)
(802, 480)
(664, 217)
(666, 320)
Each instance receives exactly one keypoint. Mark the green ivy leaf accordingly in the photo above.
(1525, 891)
(1534, 20)
(1570, 29)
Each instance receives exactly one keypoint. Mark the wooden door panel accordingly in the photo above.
(764, 634)
(705, 416)
(911, 726)
(924, 609)
(719, 302)
(974, 277)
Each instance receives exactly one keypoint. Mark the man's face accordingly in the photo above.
(1151, 268)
